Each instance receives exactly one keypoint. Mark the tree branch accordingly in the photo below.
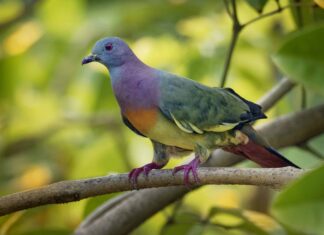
(74, 190)
(276, 93)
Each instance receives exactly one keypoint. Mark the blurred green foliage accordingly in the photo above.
(59, 121)
(301, 57)
(303, 211)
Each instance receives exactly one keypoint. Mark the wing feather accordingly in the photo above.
(180, 124)
(196, 108)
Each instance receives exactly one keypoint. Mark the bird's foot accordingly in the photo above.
(191, 166)
(133, 175)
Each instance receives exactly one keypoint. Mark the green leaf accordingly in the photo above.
(176, 229)
(301, 57)
(301, 206)
(247, 221)
(258, 5)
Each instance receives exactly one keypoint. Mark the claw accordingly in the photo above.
(191, 166)
(133, 175)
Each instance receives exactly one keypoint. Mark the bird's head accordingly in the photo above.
(111, 52)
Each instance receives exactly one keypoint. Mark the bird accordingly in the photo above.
(180, 115)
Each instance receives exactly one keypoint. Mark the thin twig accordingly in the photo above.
(235, 16)
(227, 8)
(270, 13)
(235, 35)
(260, 17)
(236, 29)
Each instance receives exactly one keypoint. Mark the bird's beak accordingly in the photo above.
(89, 59)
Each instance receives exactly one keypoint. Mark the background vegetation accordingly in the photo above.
(60, 121)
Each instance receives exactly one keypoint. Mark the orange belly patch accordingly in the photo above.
(142, 119)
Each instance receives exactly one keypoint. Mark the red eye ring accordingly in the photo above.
(109, 47)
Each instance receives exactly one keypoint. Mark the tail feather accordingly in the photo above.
(262, 155)
(275, 152)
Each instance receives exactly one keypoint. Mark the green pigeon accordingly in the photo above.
(180, 115)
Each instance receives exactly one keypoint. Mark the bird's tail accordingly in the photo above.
(259, 151)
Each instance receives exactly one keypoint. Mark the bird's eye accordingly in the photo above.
(109, 47)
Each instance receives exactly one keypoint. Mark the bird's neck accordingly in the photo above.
(135, 86)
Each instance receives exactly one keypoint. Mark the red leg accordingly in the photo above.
(133, 175)
(191, 166)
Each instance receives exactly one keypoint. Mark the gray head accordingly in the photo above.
(111, 52)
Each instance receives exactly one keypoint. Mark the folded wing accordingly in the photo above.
(195, 108)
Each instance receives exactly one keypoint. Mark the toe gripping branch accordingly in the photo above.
(201, 155)
(134, 174)
(190, 167)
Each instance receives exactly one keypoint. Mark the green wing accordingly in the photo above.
(195, 108)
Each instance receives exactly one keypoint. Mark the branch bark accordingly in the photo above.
(74, 190)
